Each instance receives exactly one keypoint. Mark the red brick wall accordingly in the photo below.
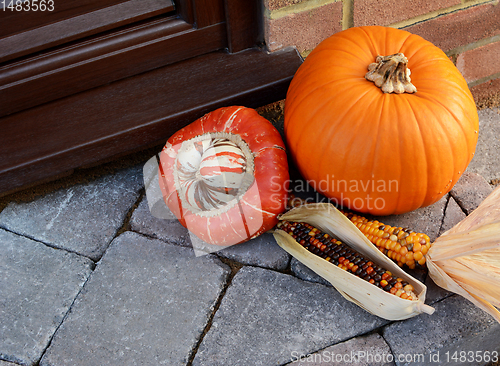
(468, 31)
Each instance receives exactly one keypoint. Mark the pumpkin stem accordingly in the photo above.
(391, 74)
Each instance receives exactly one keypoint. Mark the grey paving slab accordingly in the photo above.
(425, 219)
(304, 273)
(452, 216)
(486, 161)
(266, 315)
(167, 229)
(83, 218)
(5, 363)
(470, 190)
(434, 292)
(38, 284)
(370, 350)
(262, 251)
(456, 326)
(147, 303)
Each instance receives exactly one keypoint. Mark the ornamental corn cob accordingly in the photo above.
(346, 258)
(402, 245)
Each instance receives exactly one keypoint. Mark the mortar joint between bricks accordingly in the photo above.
(297, 8)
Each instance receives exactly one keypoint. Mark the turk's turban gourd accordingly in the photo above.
(224, 176)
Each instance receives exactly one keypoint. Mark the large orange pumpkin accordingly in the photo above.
(369, 149)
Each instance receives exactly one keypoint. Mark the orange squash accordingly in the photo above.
(373, 136)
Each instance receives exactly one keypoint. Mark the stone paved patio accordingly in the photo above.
(89, 277)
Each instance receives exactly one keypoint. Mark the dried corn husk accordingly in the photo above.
(327, 218)
(466, 258)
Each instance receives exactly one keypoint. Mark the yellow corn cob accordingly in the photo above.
(346, 258)
(402, 245)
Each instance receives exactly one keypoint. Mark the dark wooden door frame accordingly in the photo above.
(126, 89)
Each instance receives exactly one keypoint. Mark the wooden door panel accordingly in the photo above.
(16, 18)
(103, 60)
(213, 12)
(19, 43)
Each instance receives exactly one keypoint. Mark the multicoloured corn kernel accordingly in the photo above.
(404, 246)
(346, 258)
